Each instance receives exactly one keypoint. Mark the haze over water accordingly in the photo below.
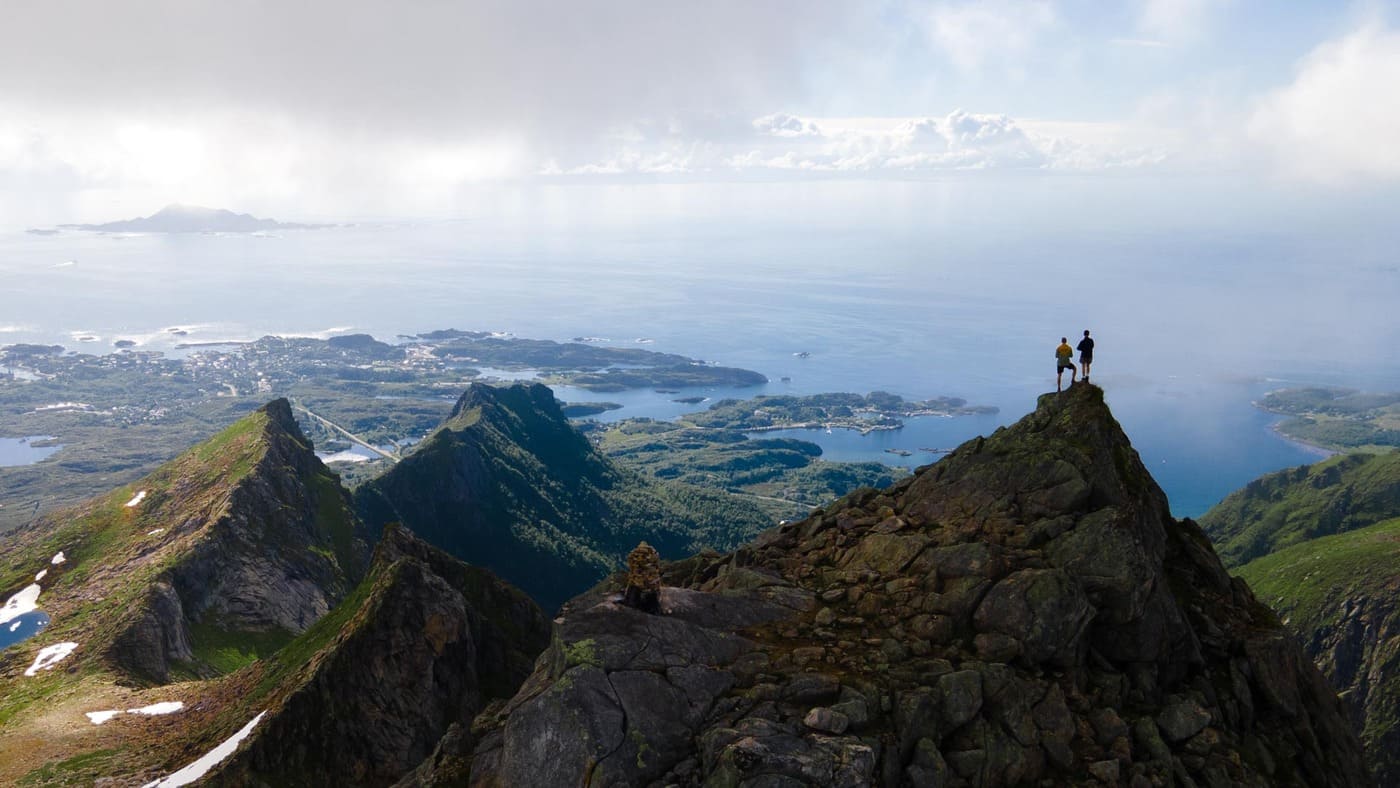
(960, 287)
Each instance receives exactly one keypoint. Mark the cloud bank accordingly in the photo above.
(110, 109)
(1338, 120)
(783, 144)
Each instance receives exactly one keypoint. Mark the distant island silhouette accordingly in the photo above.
(177, 218)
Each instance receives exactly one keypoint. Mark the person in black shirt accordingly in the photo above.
(1086, 353)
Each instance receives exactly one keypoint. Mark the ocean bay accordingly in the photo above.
(918, 289)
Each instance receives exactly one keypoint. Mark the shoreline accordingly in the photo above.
(1322, 451)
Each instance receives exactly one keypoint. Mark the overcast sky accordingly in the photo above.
(354, 107)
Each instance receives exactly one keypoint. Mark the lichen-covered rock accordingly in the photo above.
(1025, 612)
(1181, 720)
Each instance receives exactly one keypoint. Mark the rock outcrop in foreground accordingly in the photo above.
(1025, 612)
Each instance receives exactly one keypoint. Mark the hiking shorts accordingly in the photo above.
(1064, 365)
(1086, 358)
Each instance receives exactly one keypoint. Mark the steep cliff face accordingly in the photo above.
(367, 693)
(1322, 545)
(1025, 612)
(1341, 594)
(506, 483)
(247, 535)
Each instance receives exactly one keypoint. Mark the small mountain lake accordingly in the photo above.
(22, 627)
(23, 451)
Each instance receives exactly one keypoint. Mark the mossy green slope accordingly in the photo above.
(507, 483)
(362, 696)
(1289, 507)
(166, 579)
(1341, 593)
(358, 695)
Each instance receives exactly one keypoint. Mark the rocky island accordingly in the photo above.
(177, 218)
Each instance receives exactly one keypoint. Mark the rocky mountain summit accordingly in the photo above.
(1025, 612)
(508, 484)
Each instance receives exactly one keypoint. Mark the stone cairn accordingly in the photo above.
(643, 579)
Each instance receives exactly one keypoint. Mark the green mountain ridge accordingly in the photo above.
(1341, 493)
(246, 534)
(232, 580)
(509, 484)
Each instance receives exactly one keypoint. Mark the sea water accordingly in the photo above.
(1202, 295)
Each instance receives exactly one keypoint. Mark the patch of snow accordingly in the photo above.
(16, 625)
(164, 707)
(42, 574)
(50, 656)
(155, 532)
(211, 759)
(136, 499)
(58, 559)
(25, 600)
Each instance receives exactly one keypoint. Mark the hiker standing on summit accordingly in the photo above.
(1086, 354)
(1064, 360)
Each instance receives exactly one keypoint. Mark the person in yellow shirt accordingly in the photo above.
(1064, 360)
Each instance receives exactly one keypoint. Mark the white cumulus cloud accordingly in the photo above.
(1339, 119)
